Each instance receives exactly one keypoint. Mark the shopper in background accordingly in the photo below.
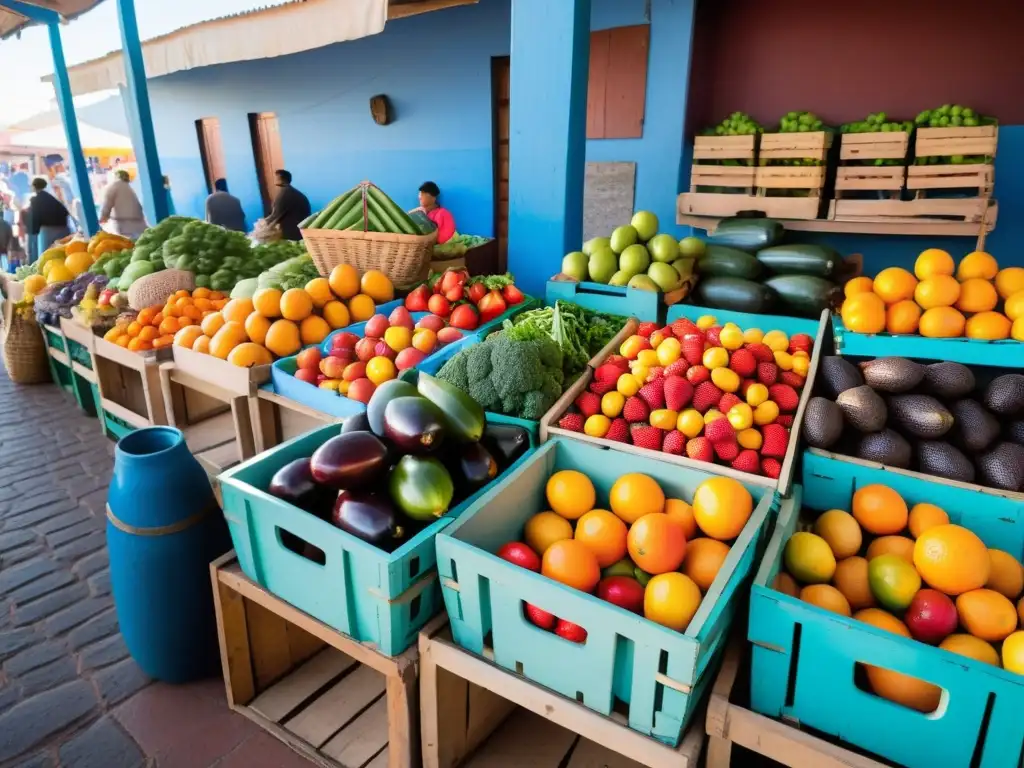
(122, 208)
(48, 220)
(225, 209)
(290, 207)
(442, 217)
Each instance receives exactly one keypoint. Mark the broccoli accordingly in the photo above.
(454, 371)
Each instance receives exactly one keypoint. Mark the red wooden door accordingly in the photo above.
(266, 139)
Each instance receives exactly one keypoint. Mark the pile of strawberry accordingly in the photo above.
(712, 392)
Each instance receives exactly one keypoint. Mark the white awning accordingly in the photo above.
(53, 136)
(12, 21)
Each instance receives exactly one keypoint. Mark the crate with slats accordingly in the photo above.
(872, 171)
(721, 177)
(791, 173)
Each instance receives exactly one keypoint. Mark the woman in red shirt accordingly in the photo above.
(442, 217)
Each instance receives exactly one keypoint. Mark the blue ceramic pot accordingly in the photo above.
(163, 529)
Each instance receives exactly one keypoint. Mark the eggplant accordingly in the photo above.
(294, 483)
(357, 423)
(383, 395)
(352, 460)
(414, 424)
(505, 443)
(421, 487)
(474, 467)
(368, 516)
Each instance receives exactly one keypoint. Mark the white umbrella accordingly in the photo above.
(53, 136)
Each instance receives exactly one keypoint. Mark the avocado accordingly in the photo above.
(1003, 467)
(823, 423)
(921, 415)
(892, 374)
(975, 428)
(886, 447)
(948, 381)
(421, 487)
(863, 408)
(1015, 432)
(838, 375)
(935, 457)
(1004, 395)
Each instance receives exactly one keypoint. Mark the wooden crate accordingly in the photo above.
(475, 714)
(80, 343)
(129, 384)
(775, 180)
(328, 697)
(276, 419)
(713, 173)
(854, 179)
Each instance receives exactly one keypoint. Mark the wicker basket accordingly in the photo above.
(24, 349)
(403, 258)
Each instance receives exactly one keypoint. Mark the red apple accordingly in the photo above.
(361, 390)
(433, 322)
(383, 350)
(320, 377)
(448, 335)
(400, 316)
(439, 305)
(332, 367)
(520, 554)
(308, 375)
(539, 616)
(376, 326)
(354, 371)
(408, 358)
(344, 340)
(931, 616)
(623, 592)
(309, 358)
(571, 632)
(365, 348)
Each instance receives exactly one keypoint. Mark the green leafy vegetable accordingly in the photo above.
(579, 333)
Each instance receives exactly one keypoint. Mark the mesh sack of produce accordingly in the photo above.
(24, 347)
(155, 288)
(265, 233)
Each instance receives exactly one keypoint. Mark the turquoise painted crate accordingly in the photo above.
(658, 672)
(804, 657)
(1006, 353)
(79, 354)
(113, 427)
(611, 299)
(745, 320)
(371, 595)
(54, 338)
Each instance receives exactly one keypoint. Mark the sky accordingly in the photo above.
(24, 61)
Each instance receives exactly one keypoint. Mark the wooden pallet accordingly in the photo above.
(473, 713)
(332, 699)
(276, 419)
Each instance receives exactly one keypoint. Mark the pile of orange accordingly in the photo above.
(275, 323)
(911, 572)
(940, 299)
(157, 327)
(674, 549)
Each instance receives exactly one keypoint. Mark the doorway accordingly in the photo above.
(500, 76)
(266, 150)
(211, 150)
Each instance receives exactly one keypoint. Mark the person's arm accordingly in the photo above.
(33, 218)
(279, 209)
(208, 209)
(445, 225)
(108, 204)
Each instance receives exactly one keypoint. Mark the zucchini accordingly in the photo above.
(308, 220)
(722, 261)
(351, 211)
(736, 294)
(320, 219)
(404, 224)
(804, 295)
(382, 213)
(817, 260)
(748, 234)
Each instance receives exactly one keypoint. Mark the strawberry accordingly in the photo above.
(771, 468)
(602, 387)
(618, 430)
(635, 410)
(761, 352)
(607, 372)
(800, 342)
(713, 335)
(745, 384)
(646, 436)
(588, 403)
(728, 401)
(785, 420)
(683, 326)
(747, 461)
(699, 449)
(697, 374)
(776, 438)
(767, 373)
(678, 368)
(571, 632)
(793, 379)
(725, 450)
(720, 430)
(706, 395)
(693, 348)
(678, 392)
(540, 617)
(572, 422)
(655, 372)
(743, 362)
(675, 442)
(653, 393)
(646, 329)
(618, 361)
(784, 396)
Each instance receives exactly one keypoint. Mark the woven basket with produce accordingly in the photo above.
(24, 347)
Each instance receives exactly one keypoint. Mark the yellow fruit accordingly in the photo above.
(58, 273)
(986, 614)
(879, 509)
(1010, 281)
(952, 559)
(544, 529)
(237, 310)
(827, 597)
(991, 326)
(78, 262)
(753, 336)
(313, 330)
(731, 338)
(377, 286)
(611, 404)
(809, 558)
(977, 264)
(35, 283)
(924, 516)
(977, 295)
(726, 379)
(248, 355)
(571, 493)
(1013, 653)
(283, 338)
(256, 327)
(715, 357)
(648, 357)
(741, 416)
(941, 323)
(398, 337)
(711, 414)
(1006, 575)
(634, 495)
(840, 531)
(784, 360)
(757, 394)
(319, 290)
(296, 305)
(361, 308)
(664, 418)
(706, 321)
(858, 285)
(903, 317)
(973, 648)
(231, 334)
(682, 513)
(777, 341)
(380, 369)
(187, 336)
(801, 364)
(267, 301)
(894, 284)
(202, 345)
(668, 351)
(1014, 306)
(722, 507)
(900, 546)
(766, 413)
(864, 313)
(749, 438)
(627, 385)
(703, 560)
(1017, 329)
(344, 281)
(690, 422)
(671, 599)
(639, 374)
(213, 323)
(336, 314)
(937, 291)
(932, 262)
(851, 578)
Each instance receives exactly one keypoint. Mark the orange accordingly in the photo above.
(1013, 653)
(924, 516)
(187, 336)
(169, 311)
(181, 293)
(722, 507)
(1010, 281)
(145, 316)
(157, 319)
(840, 531)
(894, 284)
(231, 334)
(148, 333)
(879, 509)
(952, 559)
(192, 312)
(671, 599)
(1017, 329)
(1014, 306)
(783, 582)
(1006, 576)
(571, 563)
(682, 513)
(1020, 611)
(932, 262)
(202, 345)
(972, 647)
(635, 495)
(256, 326)
(902, 689)
(991, 326)
(858, 285)
(248, 355)
(809, 558)
(377, 286)
(336, 315)
(880, 619)
(851, 578)
(283, 338)
(656, 543)
(201, 293)
(267, 301)
(212, 323)
(215, 295)
(237, 310)
(319, 290)
(570, 493)
(183, 301)
(986, 614)
(296, 305)
(544, 529)
(380, 369)
(937, 291)
(941, 323)
(361, 308)
(827, 597)
(901, 546)
(168, 325)
(703, 560)
(604, 534)
(344, 281)
(204, 305)
(133, 329)
(864, 313)
(977, 295)
(902, 317)
(136, 344)
(184, 321)
(977, 264)
(162, 341)
(313, 329)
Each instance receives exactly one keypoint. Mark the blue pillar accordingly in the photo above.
(547, 139)
(136, 97)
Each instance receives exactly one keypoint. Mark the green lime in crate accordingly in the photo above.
(913, 704)
(602, 652)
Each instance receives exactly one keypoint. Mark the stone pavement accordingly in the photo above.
(69, 693)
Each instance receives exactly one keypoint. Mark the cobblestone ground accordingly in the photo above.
(70, 695)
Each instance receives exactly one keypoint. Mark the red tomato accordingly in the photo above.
(439, 305)
(520, 554)
(465, 317)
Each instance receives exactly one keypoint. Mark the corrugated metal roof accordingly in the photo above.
(12, 22)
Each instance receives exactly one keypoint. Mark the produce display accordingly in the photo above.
(183, 316)
(56, 300)
(364, 208)
(654, 556)
(909, 571)
(953, 116)
(465, 302)
(417, 452)
(878, 122)
(939, 418)
(800, 122)
(71, 256)
(218, 257)
(457, 245)
(635, 256)
(736, 124)
(940, 299)
(293, 272)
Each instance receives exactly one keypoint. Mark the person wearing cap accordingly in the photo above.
(441, 217)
